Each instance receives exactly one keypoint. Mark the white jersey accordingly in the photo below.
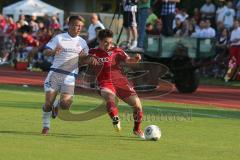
(67, 59)
(92, 30)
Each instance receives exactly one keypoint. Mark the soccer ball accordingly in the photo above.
(152, 132)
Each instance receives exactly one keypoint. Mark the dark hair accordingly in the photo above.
(74, 18)
(105, 33)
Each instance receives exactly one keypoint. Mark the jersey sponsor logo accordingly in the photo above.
(109, 53)
(66, 39)
(105, 59)
(70, 50)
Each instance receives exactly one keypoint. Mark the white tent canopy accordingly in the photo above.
(33, 7)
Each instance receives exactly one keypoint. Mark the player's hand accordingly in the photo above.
(138, 57)
(93, 61)
(57, 50)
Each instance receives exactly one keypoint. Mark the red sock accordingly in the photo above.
(137, 116)
(112, 109)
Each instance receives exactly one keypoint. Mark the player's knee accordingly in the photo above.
(65, 103)
(48, 106)
(137, 105)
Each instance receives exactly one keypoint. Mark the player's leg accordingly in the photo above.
(126, 92)
(109, 96)
(47, 110)
(135, 102)
(65, 101)
(134, 30)
(66, 97)
(51, 89)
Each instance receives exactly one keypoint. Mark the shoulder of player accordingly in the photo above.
(93, 51)
(117, 49)
(81, 40)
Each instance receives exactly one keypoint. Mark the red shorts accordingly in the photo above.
(123, 89)
(235, 52)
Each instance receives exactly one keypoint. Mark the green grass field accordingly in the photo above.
(188, 132)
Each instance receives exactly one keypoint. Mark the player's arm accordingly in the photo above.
(52, 52)
(134, 59)
(52, 47)
(88, 59)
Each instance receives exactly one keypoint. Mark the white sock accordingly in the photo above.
(56, 103)
(46, 116)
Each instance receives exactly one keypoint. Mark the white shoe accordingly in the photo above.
(134, 45)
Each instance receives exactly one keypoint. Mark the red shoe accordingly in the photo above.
(45, 131)
(139, 133)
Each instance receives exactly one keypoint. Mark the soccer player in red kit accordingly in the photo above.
(112, 82)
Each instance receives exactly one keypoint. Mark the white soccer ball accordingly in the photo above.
(152, 132)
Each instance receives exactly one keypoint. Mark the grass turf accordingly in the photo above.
(188, 132)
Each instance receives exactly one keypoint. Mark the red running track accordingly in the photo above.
(219, 96)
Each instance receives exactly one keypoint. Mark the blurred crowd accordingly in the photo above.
(214, 19)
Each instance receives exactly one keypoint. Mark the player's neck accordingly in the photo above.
(72, 35)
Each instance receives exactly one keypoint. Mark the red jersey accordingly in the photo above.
(10, 28)
(30, 41)
(110, 72)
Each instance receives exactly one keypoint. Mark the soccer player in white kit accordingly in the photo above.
(67, 49)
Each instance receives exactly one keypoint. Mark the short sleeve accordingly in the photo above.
(85, 47)
(122, 55)
(53, 43)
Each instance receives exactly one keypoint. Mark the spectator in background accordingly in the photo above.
(54, 24)
(191, 27)
(182, 15)
(238, 10)
(229, 14)
(234, 59)
(130, 22)
(154, 24)
(29, 47)
(33, 23)
(201, 32)
(211, 32)
(208, 11)
(94, 42)
(154, 30)
(178, 27)
(10, 27)
(219, 68)
(196, 15)
(168, 15)
(143, 7)
(185, 28)
(22, 20)
(2, 23)
(65, 25)
(95, 22)
(41, 25)
(46, 21)
(152, 17)
(205, 30)
(220, 11)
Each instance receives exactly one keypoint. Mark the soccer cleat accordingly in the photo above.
(55, 109)
(139, 133)
(116, 123)
(45, 131)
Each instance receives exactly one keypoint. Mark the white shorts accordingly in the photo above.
(60, 83)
